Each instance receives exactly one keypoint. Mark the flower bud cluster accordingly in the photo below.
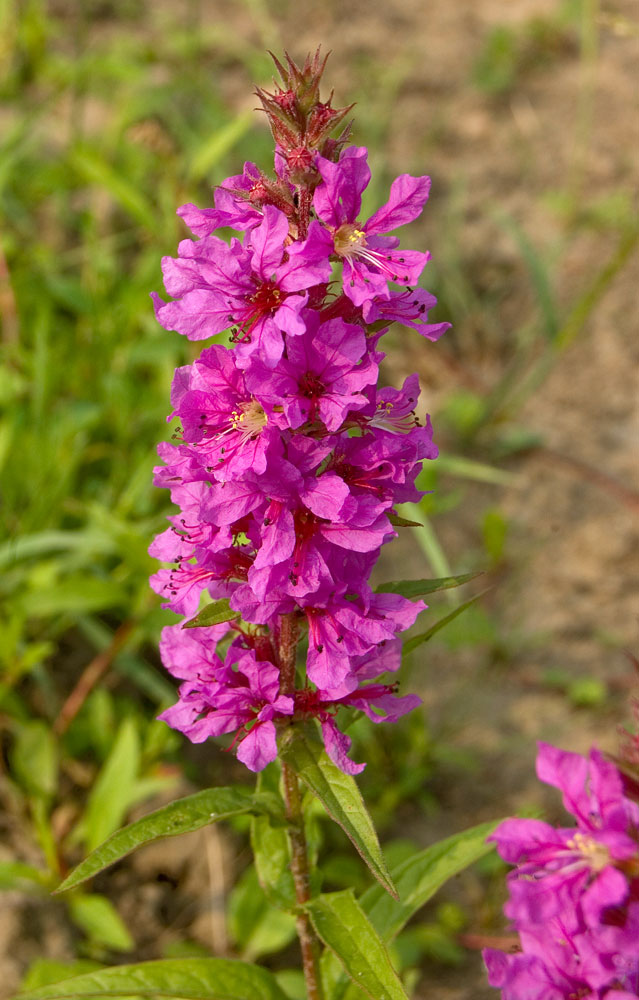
(300, 122)
(574, 893)
(290, 456)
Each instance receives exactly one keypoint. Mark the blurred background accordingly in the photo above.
(113, 113)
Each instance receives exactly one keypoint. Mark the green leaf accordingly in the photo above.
(292, 982)
(344, 928)
(256, 927)
(213, 614)
(95, 170)
(100, 921)
(495, 69)
(469, 468)
(403, 522)
(428, 541)
(220, 143)
(113, 790)
(417, 588)
(302, 750)
(76, 594)
(53, 541)
(538, 271)
(475, 628)
(494, 529)
(417, 640)
(18, 875)
(44, 832)
(182, 816)
(34, 758)
(44, 971)
(190, 978)
(272, 855)
(419, 877)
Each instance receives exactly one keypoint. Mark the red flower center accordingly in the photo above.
(311, 386)
(266, 298)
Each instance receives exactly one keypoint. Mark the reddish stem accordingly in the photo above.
(93, 673)
(303, 211)
(309, 943)
(288, 638)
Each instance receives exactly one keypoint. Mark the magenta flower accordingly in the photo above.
(572, 862)
(370, 259)
(379, 702)
(180, 467)
(308, 539)
(215, 572)
(574, 895)
(409, 308)
(560, 964)
(322, 376)
(187, 532)
(394, 409)
(238, 203)
(218, 699)
(341, 632)
(218, 414)
(380, 469)
(260, 289)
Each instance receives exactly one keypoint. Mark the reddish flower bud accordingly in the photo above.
(297, 116)
(300, 158)
(331, 148)
(301, 168)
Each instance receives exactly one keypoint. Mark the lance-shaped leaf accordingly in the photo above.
(114, 789)
(344, 928)
(254, 925)
(417, 640)
(18, 875)
(302, 750)
(418, 588)
(402, 522)
(95, 170)
(100, 921)
(182, 816)
(417, 880)
(213, 614)
(34, 758)
(191, 979)
(419, 877)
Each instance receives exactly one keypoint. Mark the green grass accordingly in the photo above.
(106, 137)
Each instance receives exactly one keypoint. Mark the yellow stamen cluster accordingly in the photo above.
(249, 418)
(597, 855)
(347, 239)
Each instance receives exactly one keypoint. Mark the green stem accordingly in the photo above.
(309, 943)
(44, 833)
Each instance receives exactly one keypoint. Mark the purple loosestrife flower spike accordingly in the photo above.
(290, 458)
